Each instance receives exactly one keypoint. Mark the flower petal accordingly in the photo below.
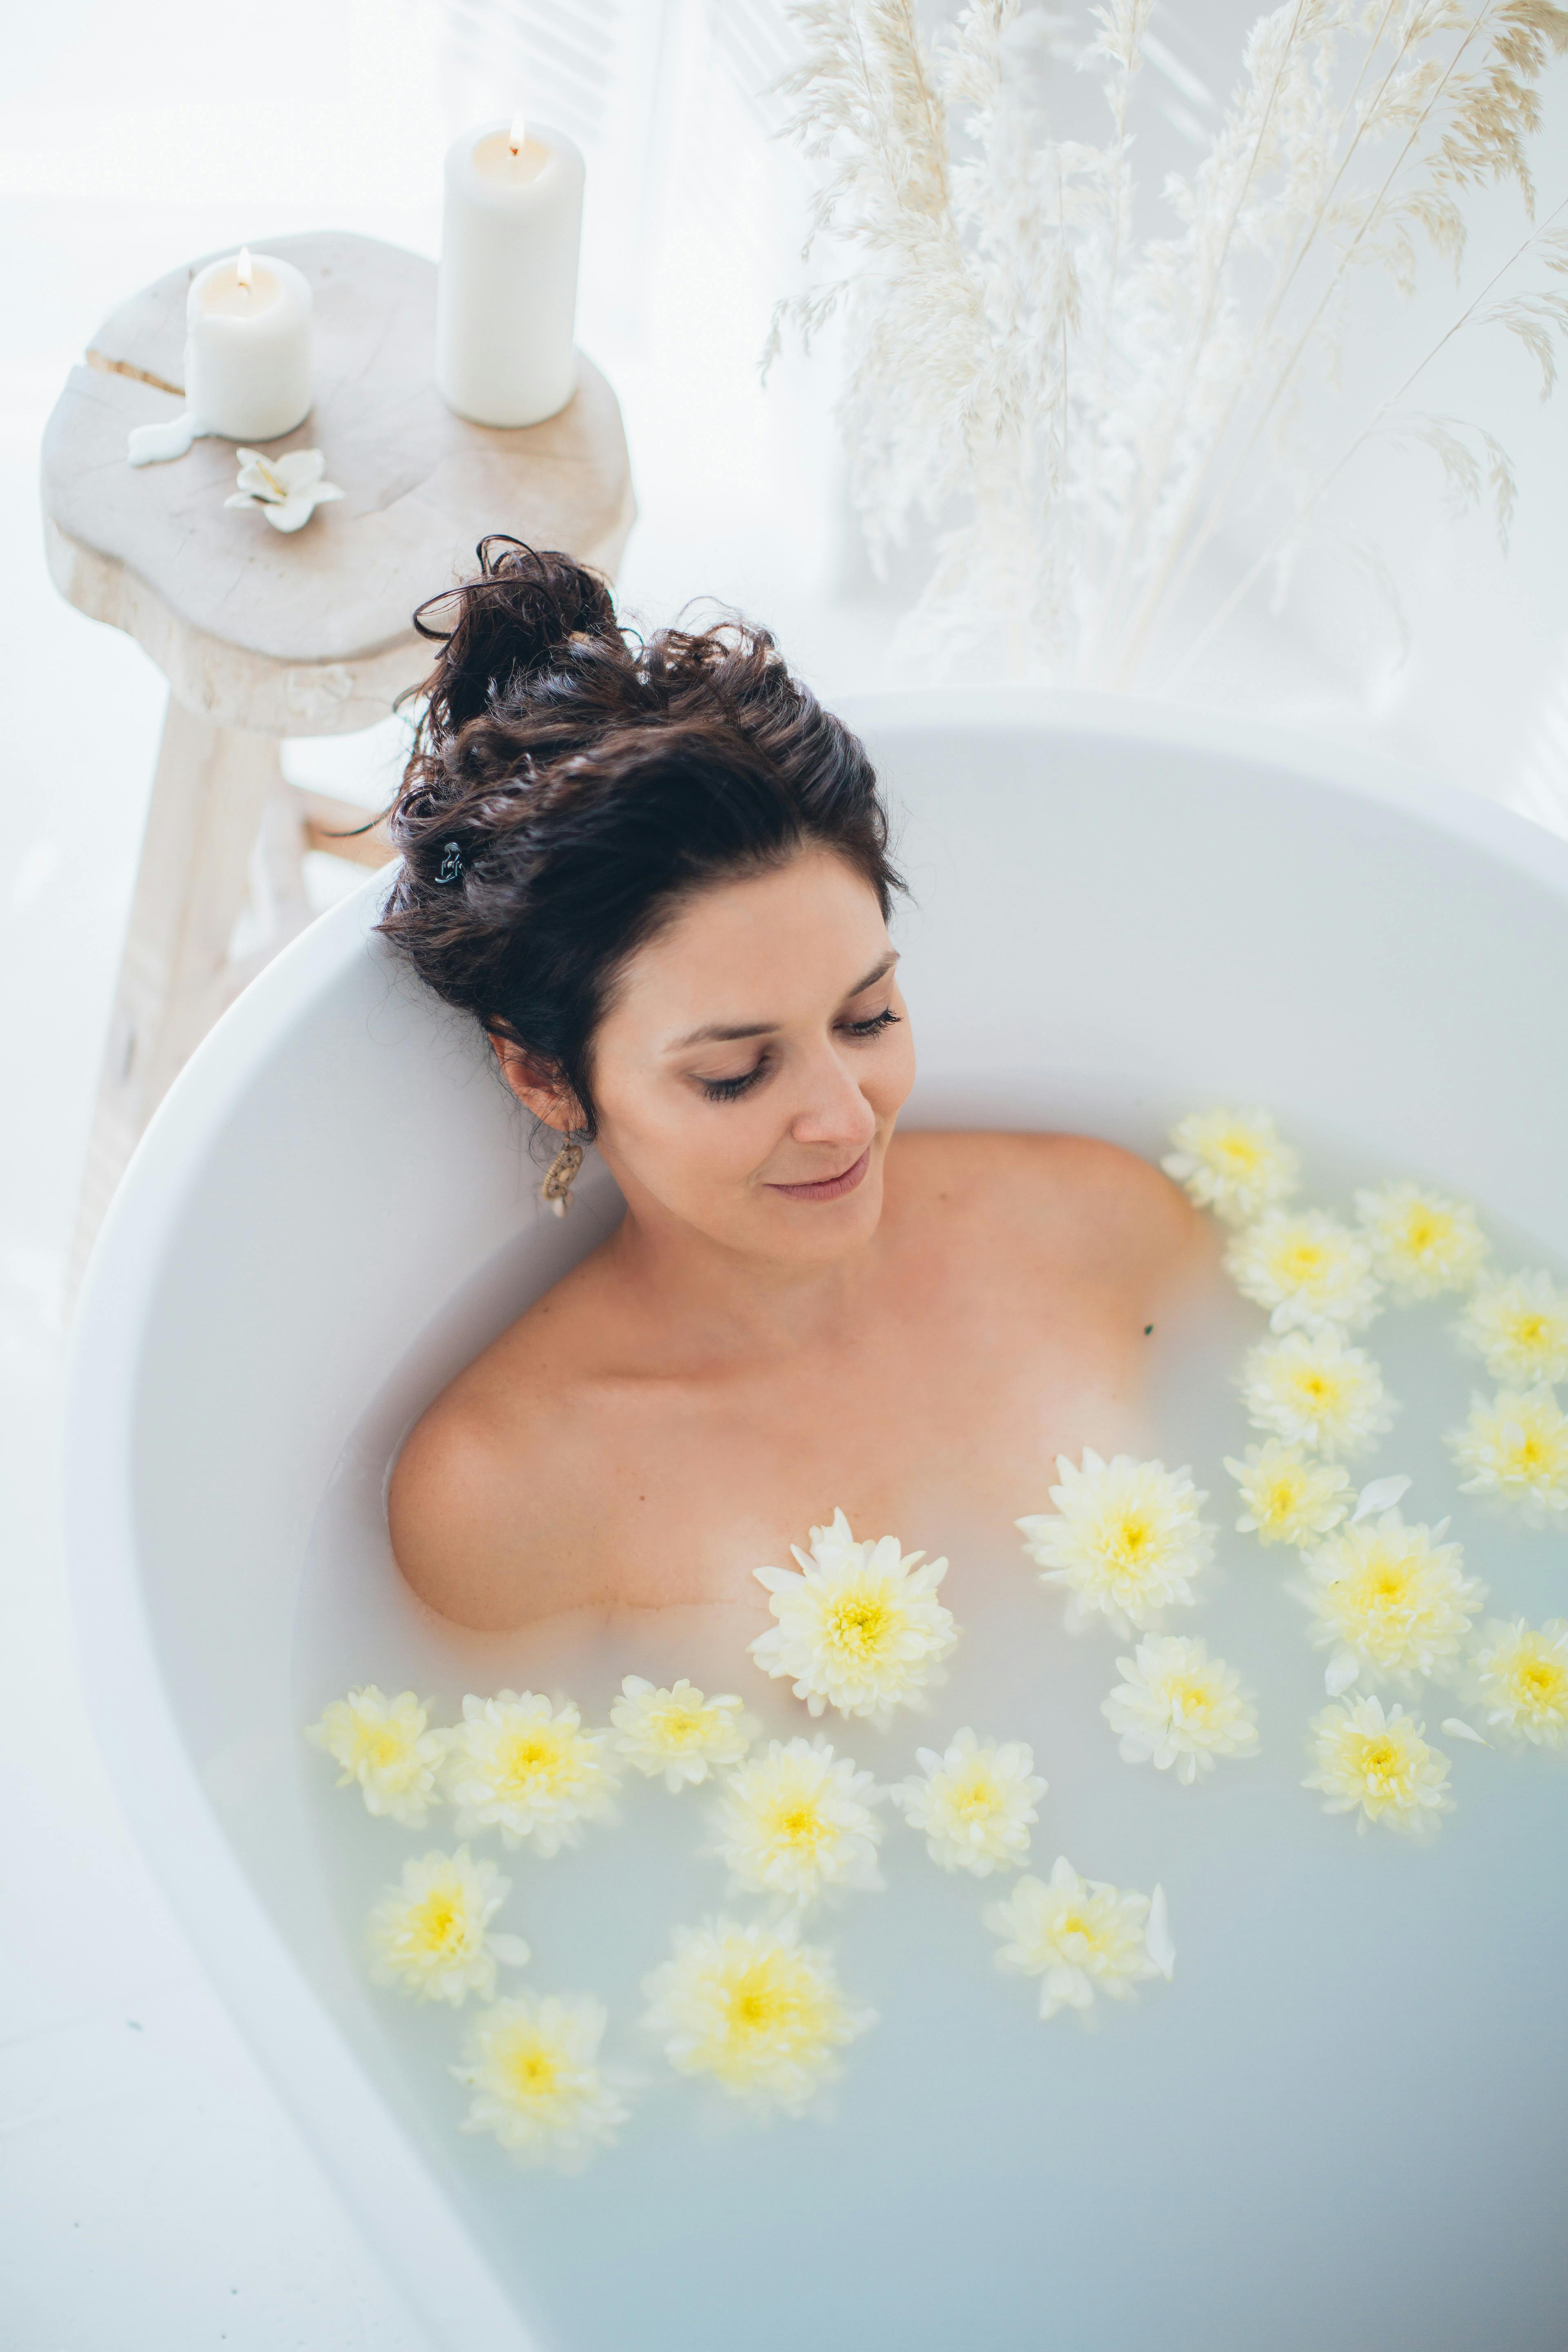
(1157, 1936)
(1381, 1495)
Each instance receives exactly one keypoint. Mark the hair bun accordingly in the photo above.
(508, 626)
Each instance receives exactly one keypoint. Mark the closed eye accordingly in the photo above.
(886, 1019)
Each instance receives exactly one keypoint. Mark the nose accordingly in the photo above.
(833, 1110)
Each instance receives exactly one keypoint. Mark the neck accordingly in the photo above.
(729, 1303)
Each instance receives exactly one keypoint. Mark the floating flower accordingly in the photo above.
(1314, 1390)
(860, 1628)
(430, 1936)
(974, 1801)
(532, 2064)
(1080, 1936)
(1125, 1538)
(1231, 1161)
(1421, 1243)
(1520, 1675)
(1176, 1704)
(1518, 1324)
(287, 490)
(387, 1745)
(1312, 1273)
(517, 1764)
(1379, 1766)
(755, 2009)
(677, 1732)
(1515, 1450)
(1391, 1601)
(1287, 1498)
(798, 1820)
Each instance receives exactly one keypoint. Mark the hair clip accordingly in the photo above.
(451, 866)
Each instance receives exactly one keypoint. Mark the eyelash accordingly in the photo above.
(729, 1089)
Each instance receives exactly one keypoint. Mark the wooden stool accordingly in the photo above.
(262, 634)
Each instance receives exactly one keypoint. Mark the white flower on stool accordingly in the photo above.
(288, 489)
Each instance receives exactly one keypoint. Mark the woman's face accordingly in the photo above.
(753, 1059)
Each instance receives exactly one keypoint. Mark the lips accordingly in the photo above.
(830, 1188)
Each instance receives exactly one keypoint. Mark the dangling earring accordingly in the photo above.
(559, 1178)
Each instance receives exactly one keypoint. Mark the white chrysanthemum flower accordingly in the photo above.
(798, 1821)
(678, 1732)
(1080, 1936)
(1125, 1538)
(387, 1745)
(430, 1936)
(755, 2009)
(1421, 1243)
(1393, 1603)
(974, 1802)
(1314, 1390)
(1515, 1450)
(1287, 1498)
(1231, 1161)
(1378, 1767)
(1176, 1704)
(532, 2064)
(517, 1764)
(860, 1628)
(1520, 1675)
(1518, 1324)
(1311, 1273)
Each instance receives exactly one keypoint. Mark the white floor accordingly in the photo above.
(153, 2196)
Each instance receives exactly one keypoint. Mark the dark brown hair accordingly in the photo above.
(571, 782)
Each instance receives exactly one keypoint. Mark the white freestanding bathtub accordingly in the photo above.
(1115, 908)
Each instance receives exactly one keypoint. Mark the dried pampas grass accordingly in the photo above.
(1080, 411)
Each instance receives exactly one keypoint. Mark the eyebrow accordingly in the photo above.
(719, 1033)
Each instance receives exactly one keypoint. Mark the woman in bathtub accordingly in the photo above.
(659, 876)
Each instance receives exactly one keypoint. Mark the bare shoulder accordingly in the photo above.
(490, 1507)
(1064, 1199)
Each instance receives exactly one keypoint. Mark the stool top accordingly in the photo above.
(310, 632)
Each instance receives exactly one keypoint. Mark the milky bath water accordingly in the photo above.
(1343, 2120)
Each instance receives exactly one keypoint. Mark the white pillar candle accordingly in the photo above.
(247, 347)
(507, 296)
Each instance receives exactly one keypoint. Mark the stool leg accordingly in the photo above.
(209, 794)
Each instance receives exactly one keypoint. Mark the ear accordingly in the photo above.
(549, 1101)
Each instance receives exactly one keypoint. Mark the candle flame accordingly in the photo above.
(242, 269)
(518, 134)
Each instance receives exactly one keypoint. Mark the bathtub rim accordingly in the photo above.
(332, 2102)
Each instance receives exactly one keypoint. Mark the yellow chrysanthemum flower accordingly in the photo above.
(517, 1764)
(534, 2067)
(754, 2009)
(1080, 1936)
(1421, 1243)
(1176, 1704)
(1310, 1271)
(1314, 1390)
(798, 1822)
(1519, 1676)
(1391, 1600)
(387, 1745)
(974, 1801)
(859, 1629)
(1287, 1498)
(430, 1936)
(1231, 1161)
(1515, 1451)
(1378, 1767)
(1518, 1324)
(1125, 1539)
(677, 1732)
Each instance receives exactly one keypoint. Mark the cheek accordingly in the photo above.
(888, 1087)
